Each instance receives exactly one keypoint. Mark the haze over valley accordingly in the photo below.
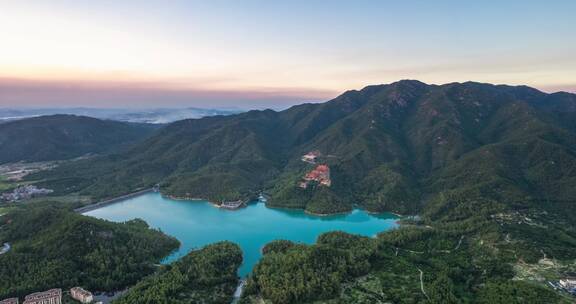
(151, 116)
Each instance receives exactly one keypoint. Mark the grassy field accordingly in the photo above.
(4, 184)
(70, 199)
(4, 210)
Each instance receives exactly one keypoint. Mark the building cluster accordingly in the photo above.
(79, 294)
(311, 157)
(231, 205)
(53, 296)
(24, 193)
(567, 284)
(320, 175)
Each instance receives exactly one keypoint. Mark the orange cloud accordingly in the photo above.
(24, 92)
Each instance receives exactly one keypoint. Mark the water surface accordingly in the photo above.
(198, 223)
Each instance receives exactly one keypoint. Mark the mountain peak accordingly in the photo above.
(410, 82)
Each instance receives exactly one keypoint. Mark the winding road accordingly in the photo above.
(422, 283)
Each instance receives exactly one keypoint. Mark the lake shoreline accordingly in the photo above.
(197, 225)
(111, 201)
(214, 204)
(328, 214)
(118, 199)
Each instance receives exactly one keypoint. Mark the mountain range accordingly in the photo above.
(389, 147)
(488, 171)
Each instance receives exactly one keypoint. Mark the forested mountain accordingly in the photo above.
(59, 137)
(208, 275)
(490, 170)
(55, 247)
(389, 148)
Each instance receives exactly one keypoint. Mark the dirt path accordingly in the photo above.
(422, 284)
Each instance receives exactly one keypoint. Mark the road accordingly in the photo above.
(238, 292)
(5, 248)
(422, 283)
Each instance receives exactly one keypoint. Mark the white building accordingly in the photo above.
(568, 283)
(78, 293)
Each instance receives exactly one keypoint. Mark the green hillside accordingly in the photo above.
(59, 137)
(389, 148)
(55, 247)
(208, 275)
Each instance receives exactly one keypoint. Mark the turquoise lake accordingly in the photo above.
(198, 223)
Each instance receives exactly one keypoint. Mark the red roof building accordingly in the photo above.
(320, 174)
(52, 296)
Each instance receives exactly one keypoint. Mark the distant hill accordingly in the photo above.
(59, 137)
(145, 115)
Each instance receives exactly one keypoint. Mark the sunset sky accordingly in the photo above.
(255, 54)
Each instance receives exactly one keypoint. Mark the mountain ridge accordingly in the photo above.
(387, 139)
(488, 170)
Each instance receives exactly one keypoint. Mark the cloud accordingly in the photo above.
(48, 93)
(571, 88)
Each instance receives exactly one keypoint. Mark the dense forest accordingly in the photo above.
(409, 265)
(53, 247)
(208, 276)
(464, 248)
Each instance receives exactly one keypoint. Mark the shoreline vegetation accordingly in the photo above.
(248, 201)
(53, 246)
(206, 275)
(245, 203)
(242, 204)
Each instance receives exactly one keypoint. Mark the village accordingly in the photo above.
(234, 205)
(17, 171)
(22, 193)
(54, 296)
(567, 284)
(11, 176)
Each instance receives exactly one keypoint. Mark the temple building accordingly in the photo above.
(321, 175)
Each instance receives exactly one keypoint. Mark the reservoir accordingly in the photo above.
(198, 223)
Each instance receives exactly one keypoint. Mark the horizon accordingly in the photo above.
(255, 54)
(239, 107)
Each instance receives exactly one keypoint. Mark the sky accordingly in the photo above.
(262, 53)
